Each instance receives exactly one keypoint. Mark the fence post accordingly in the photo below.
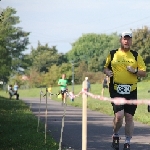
(41, 92)
(46, 117)
(84, 116)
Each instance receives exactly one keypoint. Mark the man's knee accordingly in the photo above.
(128, 117)
(119, 116)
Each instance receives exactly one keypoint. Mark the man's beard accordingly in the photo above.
(126, 47)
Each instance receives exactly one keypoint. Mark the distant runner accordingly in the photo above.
(63, 87)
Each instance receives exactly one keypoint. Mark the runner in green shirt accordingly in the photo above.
(63, 87)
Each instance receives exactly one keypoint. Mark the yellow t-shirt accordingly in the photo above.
(119, 65)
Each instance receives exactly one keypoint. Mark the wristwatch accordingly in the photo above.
(136, 70)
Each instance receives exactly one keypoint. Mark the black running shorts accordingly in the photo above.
(63, 91)
(127, 108)
(105, 86)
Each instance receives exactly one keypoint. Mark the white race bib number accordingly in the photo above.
(123, 89)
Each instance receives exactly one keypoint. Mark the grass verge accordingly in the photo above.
(18, 128)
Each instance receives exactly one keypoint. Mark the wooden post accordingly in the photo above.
(46, 117)
(39, 112)
(84, 116)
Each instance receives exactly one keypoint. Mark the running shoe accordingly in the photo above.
(126, 146)
(115, 143)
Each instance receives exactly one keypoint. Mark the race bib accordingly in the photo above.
(123, 89)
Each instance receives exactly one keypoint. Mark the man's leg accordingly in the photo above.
(102, 93)
(129, 124)
(129, 127)
(117, 124)
(118, 120)
(10, 95)
(62, 96)
(17, 96)
(65, 95)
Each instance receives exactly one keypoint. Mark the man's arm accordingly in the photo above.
(141, 73)
(59, 83)
(108, 72)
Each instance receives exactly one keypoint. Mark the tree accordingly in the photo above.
(141, 44)
(93, 48)
(54, 73)
(44, 57)
(13, 41)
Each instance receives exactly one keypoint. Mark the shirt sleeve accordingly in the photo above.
(141, 64)
(108, 60)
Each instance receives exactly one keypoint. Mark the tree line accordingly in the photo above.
(44, 65)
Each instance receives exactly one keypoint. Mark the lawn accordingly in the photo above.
(18, 128)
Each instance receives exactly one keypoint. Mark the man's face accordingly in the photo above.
(126, 42)
(63, 76)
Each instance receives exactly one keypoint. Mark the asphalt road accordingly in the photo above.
(99, 127)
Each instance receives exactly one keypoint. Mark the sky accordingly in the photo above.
(61, 22)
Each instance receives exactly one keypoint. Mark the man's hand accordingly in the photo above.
(131, 69)
(109, 73)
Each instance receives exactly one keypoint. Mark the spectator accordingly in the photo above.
(16, 87)
(12, 92)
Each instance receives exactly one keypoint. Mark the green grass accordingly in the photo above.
(18, 128)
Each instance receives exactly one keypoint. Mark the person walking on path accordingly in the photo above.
(105, 84)
(123, 66)
(63, 87)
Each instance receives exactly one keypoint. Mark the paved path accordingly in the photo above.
(99, 127)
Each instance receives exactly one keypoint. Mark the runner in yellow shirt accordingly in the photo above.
(123, 70)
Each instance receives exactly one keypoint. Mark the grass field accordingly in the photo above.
(18, 125)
